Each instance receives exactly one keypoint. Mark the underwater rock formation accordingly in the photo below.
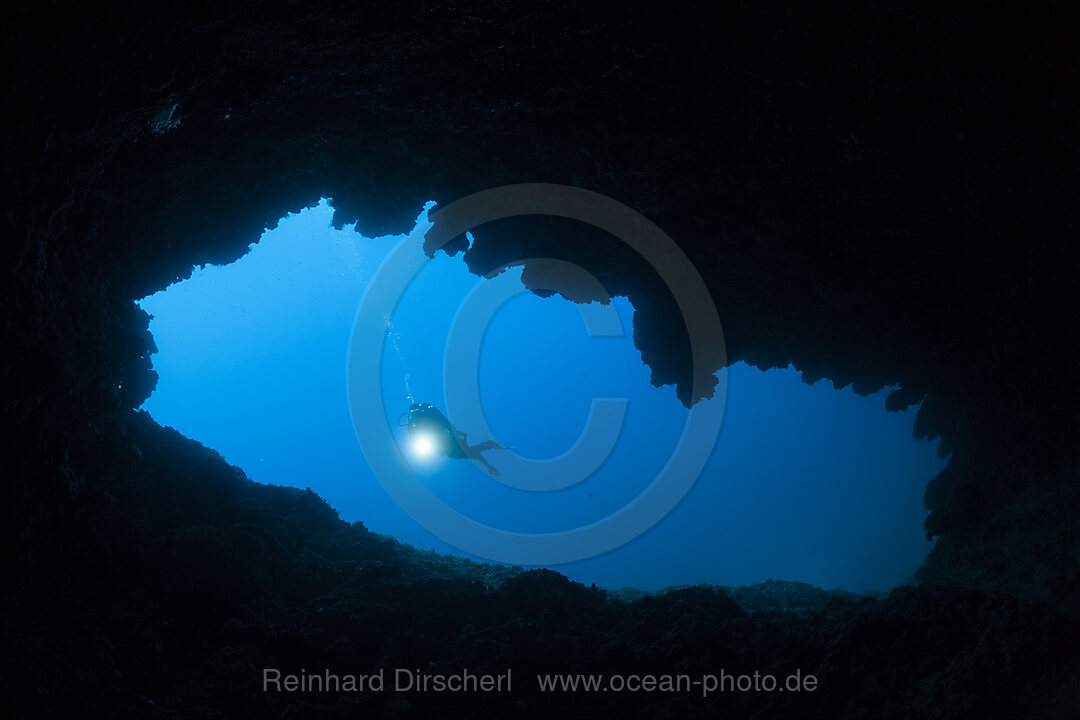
(876, 195)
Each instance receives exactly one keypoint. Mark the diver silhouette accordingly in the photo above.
(425, 421)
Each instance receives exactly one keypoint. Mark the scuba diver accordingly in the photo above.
(431, 432)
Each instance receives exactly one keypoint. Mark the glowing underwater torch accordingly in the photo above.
(423, 445)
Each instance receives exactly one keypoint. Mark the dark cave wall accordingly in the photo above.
(877, 195)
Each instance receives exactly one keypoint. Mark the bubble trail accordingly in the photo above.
(395, 340)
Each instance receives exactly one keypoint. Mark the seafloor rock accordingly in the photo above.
(190, 579)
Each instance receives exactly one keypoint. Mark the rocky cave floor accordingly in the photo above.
(189, 579)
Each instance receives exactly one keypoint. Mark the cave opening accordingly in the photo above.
(806, 483)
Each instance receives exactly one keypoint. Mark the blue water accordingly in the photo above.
(805, 483)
